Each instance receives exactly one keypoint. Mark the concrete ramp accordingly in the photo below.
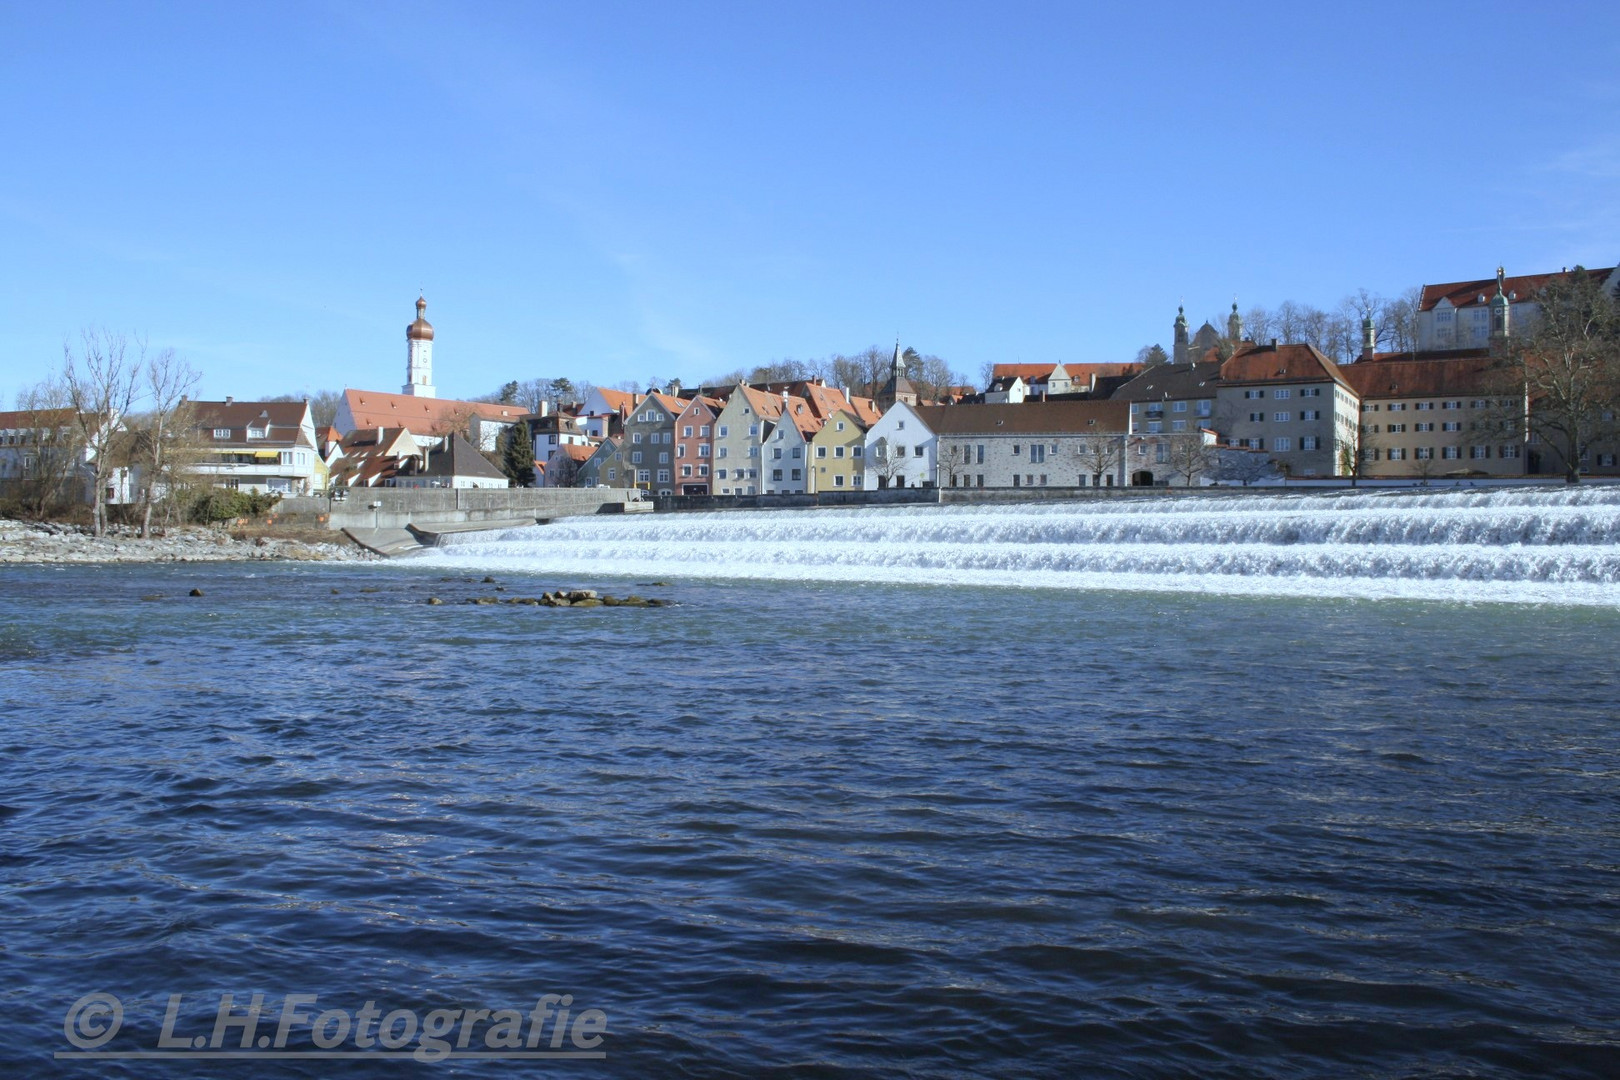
(430, 534)
(392, 543)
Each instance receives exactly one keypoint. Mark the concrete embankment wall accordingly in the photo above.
(395, 508)
(887, 497)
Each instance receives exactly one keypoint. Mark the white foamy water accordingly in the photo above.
(1546, 546)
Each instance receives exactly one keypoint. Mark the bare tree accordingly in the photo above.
(887, 461)
(47, 452)
(323, 406)
(1241, 465)
(1097, 456)
(1188, 455)
(102, 380)
(167, 439)
(1567, 369)
(951, 463)
(1354, 452)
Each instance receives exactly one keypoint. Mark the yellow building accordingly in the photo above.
(836, 461)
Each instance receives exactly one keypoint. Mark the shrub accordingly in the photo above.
(222, 504)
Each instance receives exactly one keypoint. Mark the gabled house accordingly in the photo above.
(838, 453)
(565, 466)
(1008, 389)
(455, 463)
(740, 431)
(372, 457)
(481, 422)
(649, 441)
(899, 448)
(263, 446)
(1292, 402)
(601, 468)
(1037, 380)
(1471, 314)
(786, 452)
(694, 445)
(1422, 418)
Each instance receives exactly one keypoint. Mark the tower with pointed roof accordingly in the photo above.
(1501, 308)
(1234, 325)
(1181, 353)
(419, 354)
(898, 388)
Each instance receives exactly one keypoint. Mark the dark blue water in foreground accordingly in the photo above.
(827, 830)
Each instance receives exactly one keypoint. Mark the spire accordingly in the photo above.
(1182, 352)
(1369, 337)
(1501, 311)
(1234, 324)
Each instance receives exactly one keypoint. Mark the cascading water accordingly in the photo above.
(1560, 546)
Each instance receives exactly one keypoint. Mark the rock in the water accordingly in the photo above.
(195, 592)
(489, 581)
(434, 600)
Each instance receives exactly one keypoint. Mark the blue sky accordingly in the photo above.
(626, 191)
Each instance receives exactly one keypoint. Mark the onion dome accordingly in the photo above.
(421, 329)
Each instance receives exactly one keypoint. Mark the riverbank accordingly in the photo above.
(50, 542)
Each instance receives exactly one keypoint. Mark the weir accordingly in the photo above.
(1559, 546)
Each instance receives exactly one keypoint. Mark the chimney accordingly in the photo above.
(379, 435)
(229, 400)
(1273, 344)
(545, 408)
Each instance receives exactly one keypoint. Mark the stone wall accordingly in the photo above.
(395, 508)
(886, 497)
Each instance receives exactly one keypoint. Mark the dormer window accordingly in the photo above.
(222, 433)
(255, 432)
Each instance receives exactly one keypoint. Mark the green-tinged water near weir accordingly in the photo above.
(811, 829)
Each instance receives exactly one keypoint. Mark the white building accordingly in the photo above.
(900, 449)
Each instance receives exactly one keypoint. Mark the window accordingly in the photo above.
(680, 451)
(1367, 406)
(1451, 453)
(1451, 404)
(1037, 454)
(838, 451)
(1510, 451)
(1398, 406)
(900, 425)
(255, 432)
(795, 474)
(1477, 452)
(1425, 406)
(724, 430)
(1180, 406)
(686, 470)
(753, 430)
(222, 433)
(899, 450)
(644, 476)
(1424, 427)
(635, 437)
(916, 451)
(663, 457)
(663, 476)
(1016, 449)
(1283, 443)
(635, 457)
(1282, 417)
(798, 452)
(703, 449)
(1397, 454)
(1606, 460)
(776, 452)
(1310, 442)
(613, 474)
(1479, 403)
(857, 451)
(1310, 414)
(838, 481)
(722, 452)
(1311, 391)
(840, 425)
(776, 474)
(1424, 453)
(1257, 444)
(703, 432)
(1257, 418)
(1015, 479)
(1396, 429)
(720, 473)
(1282, 395)
(1155, 426)
(1450, 425)
(1178, 425)
(821, 451)
(686, 432)
(1203, 408)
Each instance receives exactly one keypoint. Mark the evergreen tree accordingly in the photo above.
(517, 455)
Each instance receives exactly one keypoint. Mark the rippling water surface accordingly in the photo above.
(817, 829)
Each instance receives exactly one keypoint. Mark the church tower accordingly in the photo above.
(898, 388)
(1234, 326)
(419, 355)
(1501, 310)
(1182, 353)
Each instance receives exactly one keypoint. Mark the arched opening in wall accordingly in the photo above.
(1142, 478)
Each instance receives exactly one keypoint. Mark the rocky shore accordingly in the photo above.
(49, 542)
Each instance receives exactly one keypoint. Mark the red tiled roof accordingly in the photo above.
(1279, 363)
(1419, 378)
(1083, 373)
(1468, 293)
(23, 419)
(430, 416)
(1022, 371)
